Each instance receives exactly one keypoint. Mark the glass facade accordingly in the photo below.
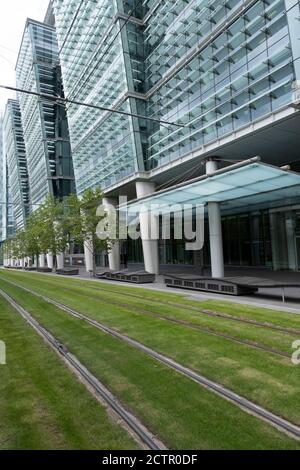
(7, 229)
(44, 122)
(223, 68)
(106, 147)
(285, 235)
(17, 163)
(2, 183)
(214, 66)
(10, 225)
(262, 239)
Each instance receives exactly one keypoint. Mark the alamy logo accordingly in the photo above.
(296, 354)
(2, 353)
(153, 222)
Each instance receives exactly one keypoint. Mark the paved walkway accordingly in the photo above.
(268, 298)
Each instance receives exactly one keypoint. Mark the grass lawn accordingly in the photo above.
(260, 376)
(183, 414)
(42, 405)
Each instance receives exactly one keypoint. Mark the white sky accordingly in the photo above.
(13, 14)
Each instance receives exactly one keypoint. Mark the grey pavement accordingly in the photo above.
(267, 298)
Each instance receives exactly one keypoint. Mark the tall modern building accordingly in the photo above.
(169, 102)
(107, 148)
(7, 221)
(216, 81)
(45, 126)
(16, 162)
(2, 182)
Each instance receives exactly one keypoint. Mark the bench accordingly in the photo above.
(68, 272)
(242, 285)
(135, 277)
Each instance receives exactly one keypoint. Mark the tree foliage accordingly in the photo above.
(55, 224)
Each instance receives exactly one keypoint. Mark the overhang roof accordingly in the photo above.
(251, 183)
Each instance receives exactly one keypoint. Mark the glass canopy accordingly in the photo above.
(250, 184)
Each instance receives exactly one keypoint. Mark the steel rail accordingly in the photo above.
(211, 313)
(111, 401)
(242, 402)
(187, 324)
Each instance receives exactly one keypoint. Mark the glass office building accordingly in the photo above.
(2, 182)
(106, 147)
(45, 126)
(7, 222)
(213, 79)
(16, 162)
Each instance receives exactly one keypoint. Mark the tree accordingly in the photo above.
(7, 246)
(82, 218)
(19, 245)
(32, 236)
(52, 236)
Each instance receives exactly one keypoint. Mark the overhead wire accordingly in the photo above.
(60, 100)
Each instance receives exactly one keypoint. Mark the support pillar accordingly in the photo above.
(42, 261)
(49, 257)
(150, 246)
(21, 262)
(291, 245)
(60, 260)
(215, 229)
(211, 166)
(88, 255)
(114, 256)
(215, 239)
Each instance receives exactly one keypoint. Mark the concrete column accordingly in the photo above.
(49, 257)
(60, 260)
(211, 166)
(88, 255)
(150, 246)
(215, 229)
(114, 256)
(215, 238)
(291, 244)
(42, 261)
(21, 261)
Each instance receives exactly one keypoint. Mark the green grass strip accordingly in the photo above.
(183, 414)
(261, 336)
(268, 380)
(42, 404)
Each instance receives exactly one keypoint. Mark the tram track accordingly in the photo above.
(140, 433)
(250, 407)
(186, 324)
(211, 313)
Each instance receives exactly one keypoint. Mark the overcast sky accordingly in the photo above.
(13, 14)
